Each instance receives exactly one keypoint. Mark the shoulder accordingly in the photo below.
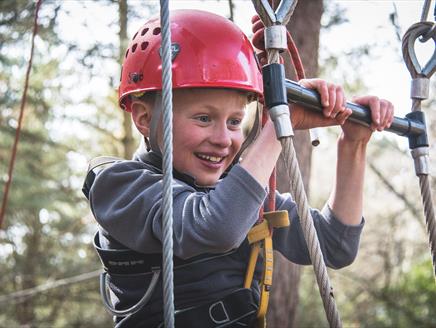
(122, 177)
(130, 178)
(126, 172)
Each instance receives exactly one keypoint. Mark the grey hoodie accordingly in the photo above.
(126, 200)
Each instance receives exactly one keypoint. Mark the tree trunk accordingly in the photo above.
(127, 141)
(304, 26)
(26, 309)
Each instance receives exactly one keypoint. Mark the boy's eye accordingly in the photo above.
(203, 118)
(235, 122)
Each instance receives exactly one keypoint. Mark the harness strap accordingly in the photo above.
(127, 261)
(222, 313)
(258, 235)
(133, 309)
(237, 309)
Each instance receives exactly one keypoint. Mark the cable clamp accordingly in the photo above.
(282, 122)
(276, 37)
(422, 160)
(420, 87)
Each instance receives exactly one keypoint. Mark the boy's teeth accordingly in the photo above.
(211, 158)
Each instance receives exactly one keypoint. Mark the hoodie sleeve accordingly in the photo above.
(339, 242)
(126, 200)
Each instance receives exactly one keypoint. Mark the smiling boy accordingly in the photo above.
(216, 197)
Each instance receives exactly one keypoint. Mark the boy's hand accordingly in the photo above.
(382, 115)
(333, 102)
(335, 113)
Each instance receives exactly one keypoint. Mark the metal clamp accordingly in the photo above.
(421, 159)
(276, 37)
(420, 88)
(282, 123)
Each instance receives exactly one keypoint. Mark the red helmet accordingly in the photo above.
(208, 51)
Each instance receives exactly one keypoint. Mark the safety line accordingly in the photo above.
(20, 118)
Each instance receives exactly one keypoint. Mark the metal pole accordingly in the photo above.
(360, 114)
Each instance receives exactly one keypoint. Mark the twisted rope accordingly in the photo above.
(297, 191)
(297, 188)
(167, 219)
(427, 200)
(422, 73)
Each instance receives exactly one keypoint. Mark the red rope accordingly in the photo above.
(20, 118)
(299, 71)
(295, 58)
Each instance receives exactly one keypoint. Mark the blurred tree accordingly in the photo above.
(48, 231)
(43, 234)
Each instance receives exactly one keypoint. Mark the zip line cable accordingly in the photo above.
(20, 118)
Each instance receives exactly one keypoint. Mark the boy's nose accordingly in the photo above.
(221, 136)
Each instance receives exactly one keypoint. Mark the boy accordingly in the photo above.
(216, 197)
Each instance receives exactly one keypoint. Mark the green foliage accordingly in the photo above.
(410, 302)
(47, 233)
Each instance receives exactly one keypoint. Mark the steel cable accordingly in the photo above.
(420, 81)
(298, 193)
(427, 200)
(167, 218)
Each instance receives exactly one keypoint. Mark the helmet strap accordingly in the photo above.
(254, 131)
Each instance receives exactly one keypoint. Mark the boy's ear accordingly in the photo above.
(141, 115)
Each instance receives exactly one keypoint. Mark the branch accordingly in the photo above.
(416, 213)
(23, 294)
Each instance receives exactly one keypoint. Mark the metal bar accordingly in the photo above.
(310, 99)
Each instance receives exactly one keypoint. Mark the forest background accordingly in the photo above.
(48, 267)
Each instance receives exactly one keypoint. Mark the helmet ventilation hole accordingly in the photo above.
(156, 31)
(127, 53)
(144, 45)
(134, 47)
(135, 36)
(144, 31)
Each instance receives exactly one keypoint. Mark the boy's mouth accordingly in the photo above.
(212, 159)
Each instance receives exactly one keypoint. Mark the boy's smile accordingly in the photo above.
(207, 131)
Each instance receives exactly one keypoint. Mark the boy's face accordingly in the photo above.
(207, 131)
